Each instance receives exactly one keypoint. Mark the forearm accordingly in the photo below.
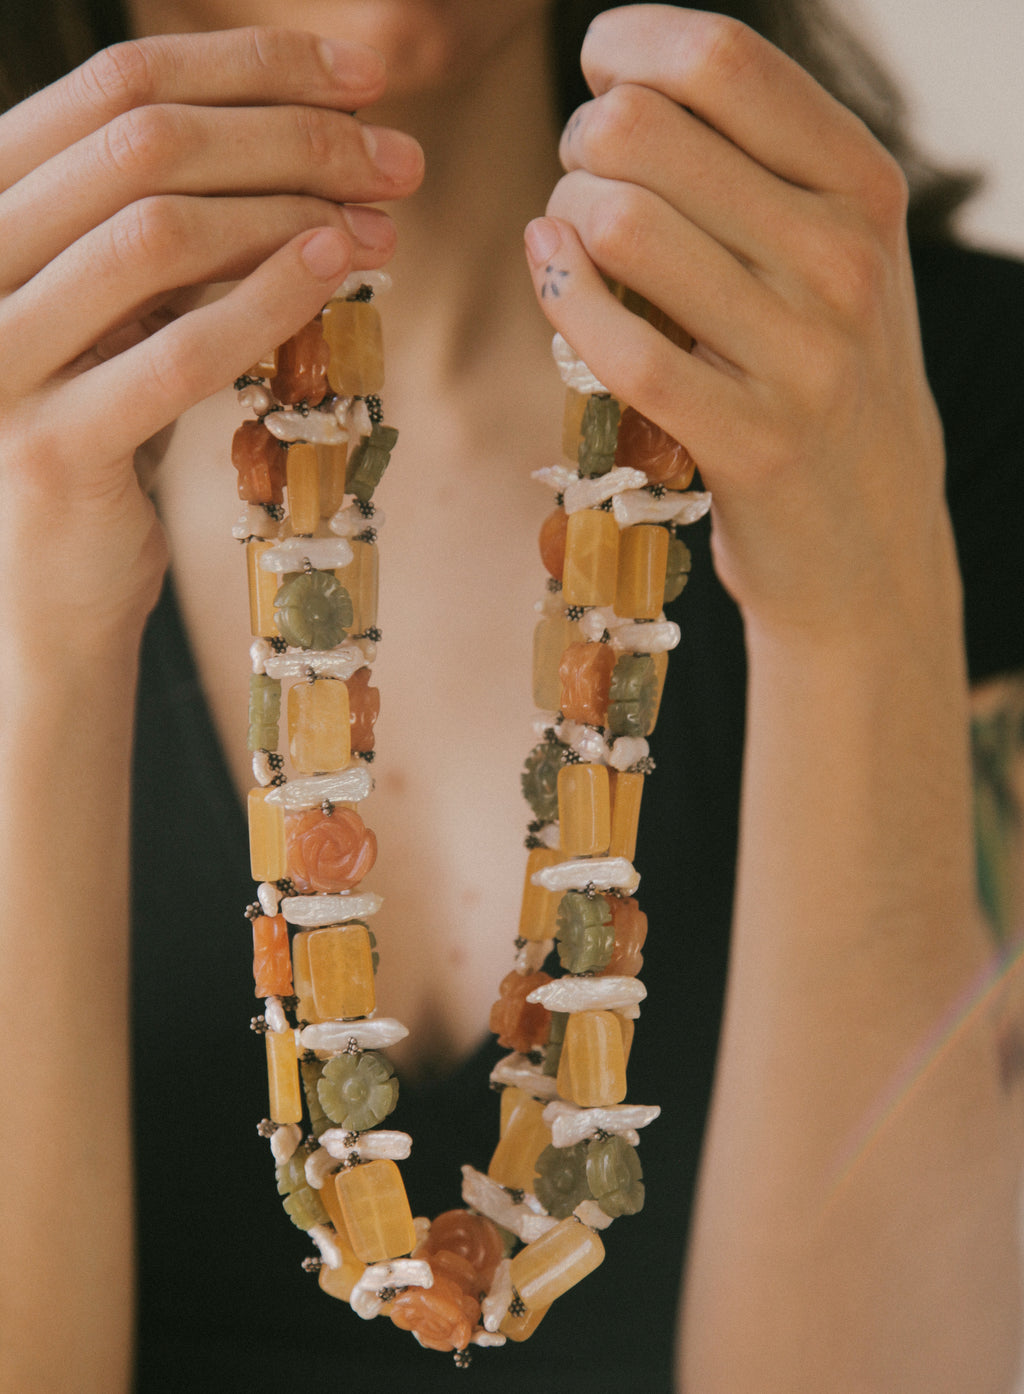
(66, 1195)
(857, 1214)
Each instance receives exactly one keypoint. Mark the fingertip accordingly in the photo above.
(327, 254)
(357, 67)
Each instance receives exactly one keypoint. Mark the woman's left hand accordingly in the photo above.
(713, 176)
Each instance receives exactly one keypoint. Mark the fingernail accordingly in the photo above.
(353, 64)
(327, 253)
(543, 239)
(395, 154)
(370, 227)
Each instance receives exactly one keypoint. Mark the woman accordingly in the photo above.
(850, 1232)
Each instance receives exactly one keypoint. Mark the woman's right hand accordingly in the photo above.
(156, 169)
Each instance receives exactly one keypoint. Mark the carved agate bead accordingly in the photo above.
(369, 460)
(591, 558)
(352, 329)
(271, 956)
(584, 810)
(598, 433)
(585, 675)
(585, 934)
(319, 726)
(561, 1182)
(301, 373)
(644, 446)
(364, 709)
(552, 542)
(264, 712)
(540, 780)
(260, 461)
(313, 609)
(677, 568)
(630, 924)
(549, 1266)
(643, 557)
(358, 1092)
(376, 1211)
(302, 1202)
(633, 696)
(328, 851)
(518, 1024)
(614, 1176)
(310, 1072)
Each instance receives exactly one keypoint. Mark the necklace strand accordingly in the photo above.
(566, 1162)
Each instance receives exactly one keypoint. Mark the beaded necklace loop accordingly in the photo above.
(566, 1163)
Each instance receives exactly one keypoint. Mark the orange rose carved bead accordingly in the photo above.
(301, 374)
(586, 675)
(552, 542)
(630, 925)
(442, 1317)
(644, 446)
(363, 708)
(473, 1238)
(261, 463)
(328, 851)
(518, 1024)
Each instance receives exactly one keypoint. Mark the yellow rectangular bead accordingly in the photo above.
(376, 1211)
(523, 1139)
(640, 584)
(339, 1282)
(591, 568)
(572, 423)
(592, 1068)
(302, 977)
(352, 329)
(268, 855)
(537, 919)
(626, 790)
(262, 589)
(319, 731)
(341, 969)
(302, 478)
(361, 579)
(549, 1266)
(551, 638)
(584, 810)
(283, 1077)
(332, 460)
(521, 1328)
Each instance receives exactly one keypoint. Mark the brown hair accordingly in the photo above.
(62, 33)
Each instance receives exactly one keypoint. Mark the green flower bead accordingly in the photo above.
(614, 1176)
(677, 568)
(264, 711)
(368, 462)
(632, 696)
(585, 934)
(302, 1203)
(553, 1047)
(358, 1091)
(599, 435)
(313, 610)
(540, 780)
(561, 1182)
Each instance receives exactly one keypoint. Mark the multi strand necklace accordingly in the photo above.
(566, 1163)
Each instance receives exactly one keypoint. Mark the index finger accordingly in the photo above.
(236, 67)
(739, 83)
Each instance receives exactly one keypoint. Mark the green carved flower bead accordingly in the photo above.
(585, 934)
(302, 1203)
(368, 462)
(313, 610)
(311, 1071)
(677, 568)
(632, 697)
(540, 780)
(555, 1041)
(561, 1182)
(614, 1176)
(599, 435)
(264, 712)
(358, 1091)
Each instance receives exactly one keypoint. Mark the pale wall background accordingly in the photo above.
(961, 66)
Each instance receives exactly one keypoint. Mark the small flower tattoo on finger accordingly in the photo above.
(555, 278)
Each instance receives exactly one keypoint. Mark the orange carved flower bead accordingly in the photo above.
(518, 1024)
(443, 1317)
(552, 542)
(586, 675)
(474, 1239)
(328, 852)
(261, 463)
(363, 708)
(630, 925)
(644, 446)
(301, 374)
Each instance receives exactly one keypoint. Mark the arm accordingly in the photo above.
(100, 352)
(856, 1217)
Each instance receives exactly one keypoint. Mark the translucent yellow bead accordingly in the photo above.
(339, 1282)
(332, 460)
(572, 422)
(626, 790)
(584, 810)
(353, 332)
(361, 579)
(341, 970)
(302, 977)
(640, 586)
(268, 854)
(318, 726)
(591, 558)
(262, 589)
(510, 1100)
(302, 478)
(521, 1328)
(522, 1141)
(283, 1077)
(376, 1211)
(540, 907)
(592, 1070)
(557, 1261)
(551, 638)
(628, 1029)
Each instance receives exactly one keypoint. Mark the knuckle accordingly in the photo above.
(118, 78)
(887, 191)
(153, 230)
(611, 126)
(617, 224)
(731, 49)
(314, 132)
(269, 48)
(141, 142)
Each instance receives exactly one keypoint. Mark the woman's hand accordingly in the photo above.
(156, 169)
(717, 179)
